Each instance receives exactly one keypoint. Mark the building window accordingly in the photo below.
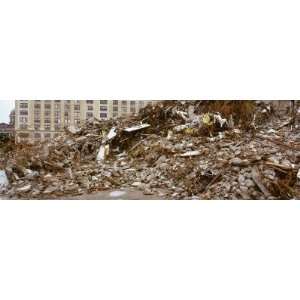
(23, 112)
(37, 115)
(77, 121)
(23, 119)
(89, 115)
(103, 101)
(90, 108)
(103, 115)
(90, 101)
(47, 124)
(24, 105)
(67, 118)
(23, 135)
(103, 108)
(115, 102)
(57, 106)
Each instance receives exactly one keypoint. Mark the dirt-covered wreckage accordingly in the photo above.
(174, 149)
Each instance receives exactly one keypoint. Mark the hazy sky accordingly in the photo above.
(6, 107)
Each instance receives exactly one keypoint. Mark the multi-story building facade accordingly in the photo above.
(39, 120)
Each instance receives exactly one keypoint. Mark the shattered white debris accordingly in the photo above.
(24, 189)
(183, 115)
(220, 120)
(103, 152)
(73, 129)
(190, 153)
(170, 135)
(112, 134)
(136, 128)
(181, 127)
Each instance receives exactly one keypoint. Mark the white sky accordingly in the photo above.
(6, 107)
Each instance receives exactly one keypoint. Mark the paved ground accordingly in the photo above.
(116, 195)
(109, 195)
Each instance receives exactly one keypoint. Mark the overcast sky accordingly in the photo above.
(6, 107)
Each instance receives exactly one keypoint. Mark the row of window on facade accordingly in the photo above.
(37, 135)
(67, 114)
(67, 103)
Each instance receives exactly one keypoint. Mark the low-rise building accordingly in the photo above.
(6, 129)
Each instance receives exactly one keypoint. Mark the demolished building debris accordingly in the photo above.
(175, 149)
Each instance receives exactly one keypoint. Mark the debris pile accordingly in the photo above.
(175, 149)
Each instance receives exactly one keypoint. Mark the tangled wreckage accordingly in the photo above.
(174, 149)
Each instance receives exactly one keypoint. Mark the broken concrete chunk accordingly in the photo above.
(257, 179)
(183, 115)
(180, 128)
(24, 189)
(190, 153)
(50, 190)
(170, 135)
(29, 174)
(239, 162)
(249, 183)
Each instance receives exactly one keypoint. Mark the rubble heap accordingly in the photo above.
(175, 149)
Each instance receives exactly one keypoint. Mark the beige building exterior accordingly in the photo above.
(40, 120)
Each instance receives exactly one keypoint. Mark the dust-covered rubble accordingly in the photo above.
(175, 149)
